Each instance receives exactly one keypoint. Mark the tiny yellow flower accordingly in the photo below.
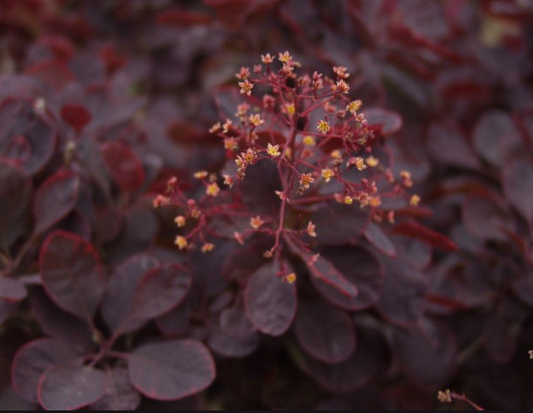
(181, 242)
(273, 150)
(323, 126)
(348, 200)
(195, 213)
(415, 200)
(371, 161)
(360, 163)
(288, 153)
(289, 278)
(341, 86)
(246, 87)
(309, 141)
(306, 180)
(200, 174)
(180, 221)
(291, 110)
(267, 58)
(336, 154)
(227, 126)
(244, 73)
(341, 72)
(231, 144)
(311, 229)
(327, 174)
(406, 179)
(212, 189)
(208, 247)
(375, 201)
(284, 57)
(228, 180)
(354, 106)
(256, 222)
(256, 120)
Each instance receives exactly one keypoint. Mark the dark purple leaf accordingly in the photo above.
(415, 230)
(404, 291)
(172, 369)
(270, 303)
(72, 273)
(25, 139)
(491, 129)
(76, 116)
(339, 224)
(158, 291)
(121, 288)
(10, 400)
(447, 144)
(176, 321)
(124, 165)
(119, 393)
(235, 323)
(259, 187)
(15, 193)
(32, 360)
(360, 268)
(484, 218)
(386, 121)
(346, 376)
(504, 328)
(137, 234)
(11, 289)
(54, 199)
(227, 345)
(326, 273)
(375, 235)
(427, 353)
(324, 332)
(71, 386)
(517, 183)
(60, 324)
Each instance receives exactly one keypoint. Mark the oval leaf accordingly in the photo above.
(119, 393)
(54, 199)
(427, 353)
(228, 345)
(490, 130)
(325, 272)
(413, 229)
(124, 165)
(15, 196)
(360, 268)
(518, 184)
(71, 386)
(375, 235)
(121, 288)
(404, 291)
(171, 370)
(235, 323)
(324, 332)
(72, 273)
(270, 303)
(32, 360)
(159, 290)
(385, 120)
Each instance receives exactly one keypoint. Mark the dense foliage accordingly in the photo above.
(266, 204)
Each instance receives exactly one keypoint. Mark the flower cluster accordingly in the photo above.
(319, 141)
